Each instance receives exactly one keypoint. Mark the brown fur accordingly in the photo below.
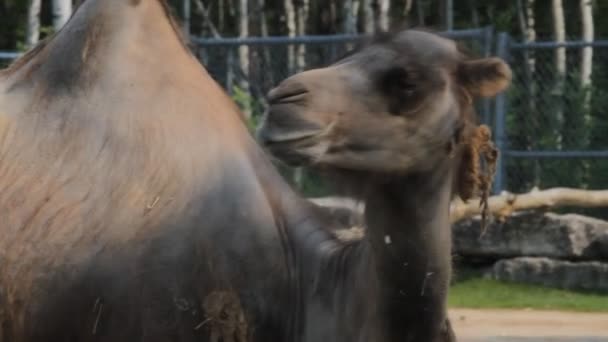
(478, 159)
(478, 165)
(103, 148)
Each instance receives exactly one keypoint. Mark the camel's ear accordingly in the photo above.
(484, 77)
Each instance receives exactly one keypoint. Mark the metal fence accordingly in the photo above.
(551, 127)
(551, 130)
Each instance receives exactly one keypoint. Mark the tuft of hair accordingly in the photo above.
(477, 168)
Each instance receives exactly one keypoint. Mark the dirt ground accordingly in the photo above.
(472, 325)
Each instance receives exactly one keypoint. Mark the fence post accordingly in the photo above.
(502, 50)
(449, 15)
(186, 17)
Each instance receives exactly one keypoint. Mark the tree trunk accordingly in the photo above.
(530, 37)
(446, 8)
(530, 31)
(559, 32)
(587, 52)
(302, 19)
(302, 10)
(382, 8)
(33, 23)
(559, 35)
(244, 53)
(407, 8)
(290, 22)
(525, 120)
(420, 12)
(368, 16)
(587, 30)
(349, 15)
(62, 10)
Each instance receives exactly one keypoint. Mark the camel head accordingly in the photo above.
(401, 104)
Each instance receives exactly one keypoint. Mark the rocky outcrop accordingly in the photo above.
(561, 251)
(584, 275)
(571, 237)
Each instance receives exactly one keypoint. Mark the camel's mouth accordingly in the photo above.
(290, 136)
(293, 150)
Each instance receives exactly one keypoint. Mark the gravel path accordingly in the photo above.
(472, 325)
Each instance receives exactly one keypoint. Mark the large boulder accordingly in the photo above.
(551, 235)
(583, 275)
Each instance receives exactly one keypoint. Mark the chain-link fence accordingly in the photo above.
(551, 126)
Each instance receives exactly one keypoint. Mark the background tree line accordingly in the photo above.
(22, 20)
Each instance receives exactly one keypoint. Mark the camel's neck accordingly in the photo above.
(410, 244)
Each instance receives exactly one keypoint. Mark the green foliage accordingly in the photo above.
(248, 104)
(13, 16)
(549, 113)
(242, 98)
(486, 293)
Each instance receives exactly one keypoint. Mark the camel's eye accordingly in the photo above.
(404, 83)
(400, 88)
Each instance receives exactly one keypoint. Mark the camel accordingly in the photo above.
(394, 122)
(135, 204)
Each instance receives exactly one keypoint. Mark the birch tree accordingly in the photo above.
(290, 24)
(525, 123)
(559, 35)
(529, 30)
(350, 11)
(62, 10)
(33, 23)
(407, 8)
(244, 51)
(587, 30)
(302, 10)
(382, 20)
(368, 16)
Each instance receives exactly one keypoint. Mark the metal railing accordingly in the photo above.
(9, 55)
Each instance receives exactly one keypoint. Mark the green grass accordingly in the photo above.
(477, 292)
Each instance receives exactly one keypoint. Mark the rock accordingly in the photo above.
(584, 275)
(551, 235)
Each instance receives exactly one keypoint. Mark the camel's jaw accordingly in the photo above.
(290, 138)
